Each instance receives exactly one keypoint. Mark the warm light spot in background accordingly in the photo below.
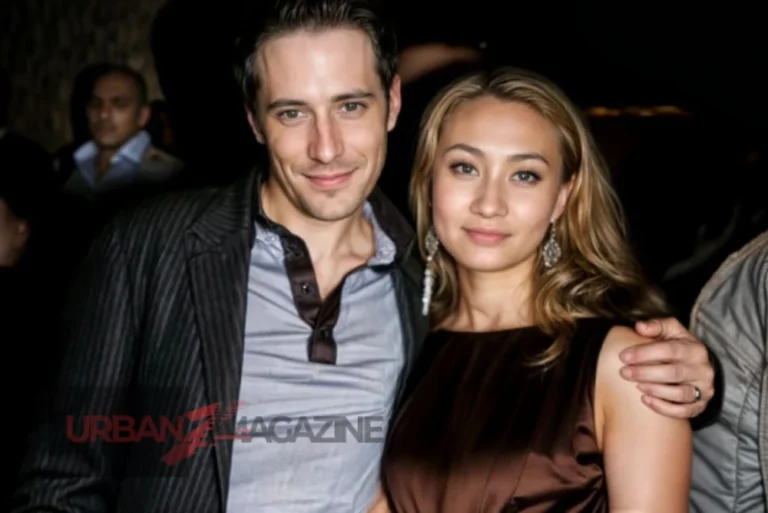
(639, 112)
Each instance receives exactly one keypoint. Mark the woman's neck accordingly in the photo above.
(490, 301)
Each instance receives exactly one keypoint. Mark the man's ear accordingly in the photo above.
(145, 113)
(395, 103)
(254, 123)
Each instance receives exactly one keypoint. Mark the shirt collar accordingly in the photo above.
(271, 233)
(132, 151)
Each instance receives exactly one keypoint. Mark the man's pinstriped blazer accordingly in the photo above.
(154, 327)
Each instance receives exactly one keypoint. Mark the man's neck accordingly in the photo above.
(326, 240)
(104, 162)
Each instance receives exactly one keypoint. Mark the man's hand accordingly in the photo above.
(671, 369)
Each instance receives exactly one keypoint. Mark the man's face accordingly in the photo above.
(115, 112)
(322, 113)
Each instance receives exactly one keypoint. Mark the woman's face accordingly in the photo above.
(497, 184)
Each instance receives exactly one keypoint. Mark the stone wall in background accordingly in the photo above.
(45, 43)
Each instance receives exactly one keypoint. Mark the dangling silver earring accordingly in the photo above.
(551, 250)
(430, 244)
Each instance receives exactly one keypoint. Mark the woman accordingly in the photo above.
(519, 404)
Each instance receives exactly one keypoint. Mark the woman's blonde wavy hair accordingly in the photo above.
(597, 275)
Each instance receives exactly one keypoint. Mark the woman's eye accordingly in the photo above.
(526, 177)
(462, 168)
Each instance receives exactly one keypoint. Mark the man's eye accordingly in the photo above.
(289, 114)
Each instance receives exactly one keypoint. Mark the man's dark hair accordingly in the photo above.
(286, 16)
(128, 72)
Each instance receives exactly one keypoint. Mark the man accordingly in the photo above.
(120, 153)
(296, 291)
(119, 165)
(731, 316)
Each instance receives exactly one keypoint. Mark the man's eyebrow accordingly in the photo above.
(282, 103)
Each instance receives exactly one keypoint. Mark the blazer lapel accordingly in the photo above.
(218, 247)
(407, 282)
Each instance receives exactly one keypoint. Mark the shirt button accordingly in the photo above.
(306, 288)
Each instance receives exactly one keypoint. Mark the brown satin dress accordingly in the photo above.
(482, 432)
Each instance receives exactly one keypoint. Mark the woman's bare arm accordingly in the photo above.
(379, 503)
(647, 455)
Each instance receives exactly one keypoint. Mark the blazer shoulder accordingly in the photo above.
(212, 211)
(170, 212)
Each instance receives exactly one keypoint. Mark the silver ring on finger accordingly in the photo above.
(696, 394)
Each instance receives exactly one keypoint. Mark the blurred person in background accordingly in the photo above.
(33, 277)
(120, 154)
